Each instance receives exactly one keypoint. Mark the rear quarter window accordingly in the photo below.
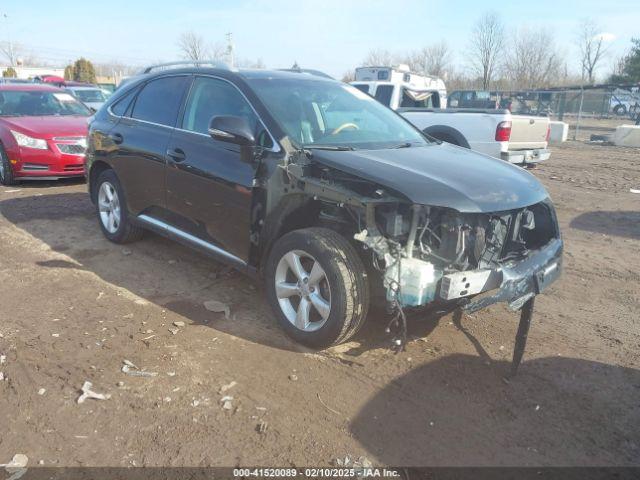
(119, 108)
(159, 100)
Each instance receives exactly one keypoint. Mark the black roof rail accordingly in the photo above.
(186, 63)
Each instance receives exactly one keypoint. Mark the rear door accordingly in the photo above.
(141, 138)
(209, 182)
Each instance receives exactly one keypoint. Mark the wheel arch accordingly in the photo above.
(97, 167)
(447, 134)
(295, 212)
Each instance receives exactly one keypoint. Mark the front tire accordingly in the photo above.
(111, 208)
(6, 172)
(317, 286)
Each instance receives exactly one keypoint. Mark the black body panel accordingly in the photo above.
(442, 175)
(210, 188)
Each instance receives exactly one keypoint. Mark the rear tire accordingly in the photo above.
(335, 292)
(620, 110)
(6, 173)
(111, 209)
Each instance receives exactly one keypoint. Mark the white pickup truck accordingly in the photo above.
(421, 99)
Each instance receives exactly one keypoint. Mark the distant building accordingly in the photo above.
(31, 72)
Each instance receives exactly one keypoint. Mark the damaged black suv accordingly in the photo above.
(334, 199)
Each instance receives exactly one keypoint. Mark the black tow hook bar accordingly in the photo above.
(526, 313)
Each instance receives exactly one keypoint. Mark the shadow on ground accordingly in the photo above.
(58, 219)
(458, 411)
(619, 224)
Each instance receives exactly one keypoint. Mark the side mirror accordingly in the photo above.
(232, 129)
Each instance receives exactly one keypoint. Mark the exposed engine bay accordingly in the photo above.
(432, 252)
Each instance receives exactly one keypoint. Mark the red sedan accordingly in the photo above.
(43, 133)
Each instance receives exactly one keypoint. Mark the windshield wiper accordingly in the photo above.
(337, 148)
(402, 145)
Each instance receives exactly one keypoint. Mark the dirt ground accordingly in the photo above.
(73, 307)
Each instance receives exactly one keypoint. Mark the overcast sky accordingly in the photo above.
(330, 35)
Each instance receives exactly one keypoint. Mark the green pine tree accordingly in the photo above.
(10, 72)
(68, 72)
(630, 65)
(83, 71)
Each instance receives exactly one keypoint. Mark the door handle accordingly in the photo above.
(176, 154)
(116, 138)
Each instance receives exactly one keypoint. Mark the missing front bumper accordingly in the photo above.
(514, 283)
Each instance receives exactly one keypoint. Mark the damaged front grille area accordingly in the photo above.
(456, 241)
(429, 252)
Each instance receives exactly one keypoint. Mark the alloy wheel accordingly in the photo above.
(109, 207)
(303, 291)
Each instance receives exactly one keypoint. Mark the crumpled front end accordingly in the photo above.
(431, 254)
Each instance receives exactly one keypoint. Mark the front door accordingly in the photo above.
(208, 185)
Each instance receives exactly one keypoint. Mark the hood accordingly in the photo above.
(442, 175)
(48, 126)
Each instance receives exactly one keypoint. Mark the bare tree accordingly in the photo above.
(7, 49)
(431, 60)
(532, 60)
(114, 68)
(192, 46)
(217, 51)
(254, 64)
(379, 58)
(592, 50)
(13, 52)
(487, 44)
(349, 76)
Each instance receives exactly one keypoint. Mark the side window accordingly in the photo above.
(362, 87)
(120, 107)
(383, 94)
(467, 96)
(211, 97)
(415, 99)
(159, 100)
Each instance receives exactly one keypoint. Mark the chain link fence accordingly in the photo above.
(589, 110)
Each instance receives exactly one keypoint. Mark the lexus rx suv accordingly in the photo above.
(333, 199)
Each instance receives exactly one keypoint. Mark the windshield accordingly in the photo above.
(316, 113)
(37, 103)
(90, 96)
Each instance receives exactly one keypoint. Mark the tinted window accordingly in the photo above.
(24, 103)
(362, 87)
(89, 95)
(120, 107)
(159, 101)
(210, 98)
(454, 100)
(383, 94)
(413, 99)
